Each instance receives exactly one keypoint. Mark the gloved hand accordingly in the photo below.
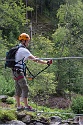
(49, 62)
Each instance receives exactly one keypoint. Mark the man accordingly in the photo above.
(21, 85)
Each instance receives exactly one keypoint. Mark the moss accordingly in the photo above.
(7, 114)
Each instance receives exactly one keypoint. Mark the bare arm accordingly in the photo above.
(37, 60)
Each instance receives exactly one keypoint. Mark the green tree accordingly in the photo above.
(70, 16)
(12, 19)
(68, 42)
(44, 82)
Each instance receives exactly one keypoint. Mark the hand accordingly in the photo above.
(49, 62)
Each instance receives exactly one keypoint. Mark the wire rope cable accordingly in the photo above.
(57, 58)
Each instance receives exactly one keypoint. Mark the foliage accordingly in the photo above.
(7, 114)
(60, 39)
(3, 48)
(43, 88)
(7, 86)
(64, 114)
(68, 42)
(6, 83)
(13, 19)
(10, 100)
(77, 104)
(46, 113)
(46, 9)
(70, 17)
(42, 47)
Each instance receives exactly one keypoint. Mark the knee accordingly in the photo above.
(25, 92)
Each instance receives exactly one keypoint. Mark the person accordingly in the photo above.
(21, 86)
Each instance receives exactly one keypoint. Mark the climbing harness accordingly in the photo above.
(31, 77)
(18, 78)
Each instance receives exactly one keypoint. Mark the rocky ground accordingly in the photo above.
(52, 102)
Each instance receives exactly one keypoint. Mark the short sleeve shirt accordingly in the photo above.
(21, 56)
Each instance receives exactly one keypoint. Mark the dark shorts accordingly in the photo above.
(21, 86)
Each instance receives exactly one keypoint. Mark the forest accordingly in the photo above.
(56, 31)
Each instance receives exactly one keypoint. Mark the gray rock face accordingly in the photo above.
(15, 122)
(3, 98)
(26, 119)
(55, 119)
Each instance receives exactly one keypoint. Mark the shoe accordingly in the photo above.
(20, 108)
(29, 108)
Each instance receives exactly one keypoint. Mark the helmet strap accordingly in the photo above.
(24, 43)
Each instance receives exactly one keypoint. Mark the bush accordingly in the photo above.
(6, 85)
(77, 105)
(7, 115)
(10, 100)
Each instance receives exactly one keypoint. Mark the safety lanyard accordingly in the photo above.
(33, 76)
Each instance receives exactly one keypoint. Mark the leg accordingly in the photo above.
(24, 88)
(18, 90)
(25, 101)
(20, 86)
(17, 96)
(19, 107)
(17, 100)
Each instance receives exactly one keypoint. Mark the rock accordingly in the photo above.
(20, 115)
(1, 122)
(64, 124)
(15, 122)
(31, 124)
(80, 120)
(26, 119)
(3, 98)
(76, 120)
(56, 123)
(44, 120)
(38, 123)
(55, 119)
